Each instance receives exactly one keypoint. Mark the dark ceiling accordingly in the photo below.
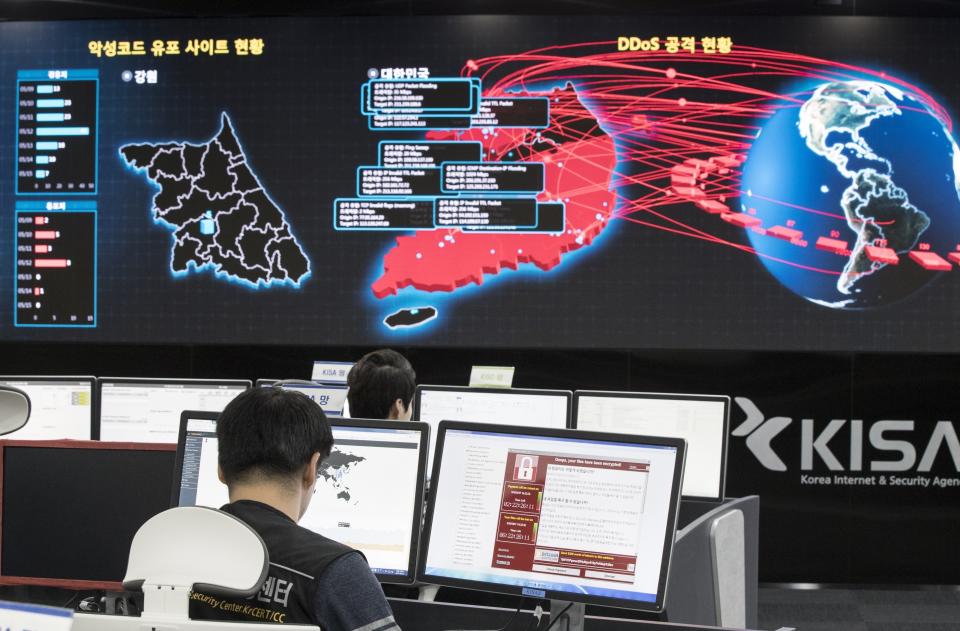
(104, 9)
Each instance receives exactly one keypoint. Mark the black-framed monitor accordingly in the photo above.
(148, 410)
(369, 490)
(702, 419)
(60, 407)
(330, 397)
(70, 508)
(502, 406)
(553, 514)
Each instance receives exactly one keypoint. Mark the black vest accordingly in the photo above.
(297, 558)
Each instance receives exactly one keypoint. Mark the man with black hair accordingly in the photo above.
(381, 385)
(271, 443)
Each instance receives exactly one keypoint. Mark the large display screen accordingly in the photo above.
(701, 420)
(500, 406)
(761, 183)
(351, 504)
(578, 516)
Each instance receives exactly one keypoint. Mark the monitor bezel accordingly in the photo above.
(671, 396)
(159, 381)
(185, 417)
(75, 584)
(94, 433)
(517, 590)
(568, 394)
(415, 530)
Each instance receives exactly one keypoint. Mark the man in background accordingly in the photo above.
(381, 384)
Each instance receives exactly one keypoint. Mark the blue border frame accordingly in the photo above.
(543, 179)
(545, 125)
(536, 211)
(81, 74)
(531, 229)
(71, 206)
(382, 168)
(377, 200)
(502, 230)
(475, 97)
(427, 142)
(370, 126)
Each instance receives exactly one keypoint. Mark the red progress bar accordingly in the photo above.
(832, 245)
(46, 234)
(741, 219)
(685, 170)
(930, 260)
(59, 263)
(702, 165)
(713, 207)
(728, 161)
(688, 192)
(787, 234)
(955, 257)
(882, 255)
(41, 249)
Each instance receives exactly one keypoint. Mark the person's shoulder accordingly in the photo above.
(352, 564)
(349, 598)
(289, 543)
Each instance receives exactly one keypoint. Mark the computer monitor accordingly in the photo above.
(330, 397)
(553, 514)
(369, 490)
(703, 420)
(148, 410)
(69, 509)
(60, 407)
(503, 406)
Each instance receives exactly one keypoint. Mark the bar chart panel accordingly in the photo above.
(57, 132)
(56, 264)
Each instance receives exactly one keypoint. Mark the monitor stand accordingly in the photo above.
(572, 617)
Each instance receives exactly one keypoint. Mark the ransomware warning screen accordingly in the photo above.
(570, 516)
(755, 183)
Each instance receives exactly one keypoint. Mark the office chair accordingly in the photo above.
(182, 549)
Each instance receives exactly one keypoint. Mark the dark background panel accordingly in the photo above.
(634, 287)
(104, 9)
(55, 502)
(808, 533)
(908, 525)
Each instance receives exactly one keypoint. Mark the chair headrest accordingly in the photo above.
(14, 409)
(198, 547)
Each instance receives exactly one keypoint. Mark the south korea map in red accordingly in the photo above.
(579, 161)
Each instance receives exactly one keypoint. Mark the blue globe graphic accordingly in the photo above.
(860, 162)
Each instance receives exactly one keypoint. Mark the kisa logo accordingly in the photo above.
(760, 433)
